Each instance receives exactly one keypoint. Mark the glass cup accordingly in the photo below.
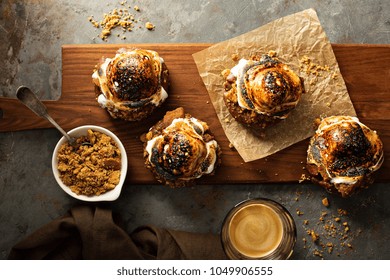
(258, 229)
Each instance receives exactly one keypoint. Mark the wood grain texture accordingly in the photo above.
(365, 69)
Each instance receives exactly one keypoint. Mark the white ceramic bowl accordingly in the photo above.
(107, 196)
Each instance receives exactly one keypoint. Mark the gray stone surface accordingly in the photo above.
(32, 33)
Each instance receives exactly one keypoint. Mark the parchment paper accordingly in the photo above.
(293, 38)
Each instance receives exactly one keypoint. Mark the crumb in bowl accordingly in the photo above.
(91, 168)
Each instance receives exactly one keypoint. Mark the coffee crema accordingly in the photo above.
(256, 230)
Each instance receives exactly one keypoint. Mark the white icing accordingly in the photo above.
(343, 180)
(238, 67)
(151, 144)
(190, 122)
(211, 146)
(102, 100)
(159, 97)
(103, 67)
(238, 71)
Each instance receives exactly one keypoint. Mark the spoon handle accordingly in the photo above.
(53, 122)
(28, 98)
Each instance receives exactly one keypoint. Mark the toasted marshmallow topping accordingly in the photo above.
(181, 151)
(112, 96)
(267, 86)
(338, 139)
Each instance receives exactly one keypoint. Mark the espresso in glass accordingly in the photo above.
(258, 229)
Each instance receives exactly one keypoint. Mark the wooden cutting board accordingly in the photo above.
(365, 68)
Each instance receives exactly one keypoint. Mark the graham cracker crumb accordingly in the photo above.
(325, 202)
(118, 18)
(318, 253)
(303, 177)
(314, 236)
(235, 57)
(312, 68)
(272, 53)
(342, 212)
(225, 73)
(149, 26)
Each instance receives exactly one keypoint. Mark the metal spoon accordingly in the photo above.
(28, 98)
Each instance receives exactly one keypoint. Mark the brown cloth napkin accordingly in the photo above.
(95, 233)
